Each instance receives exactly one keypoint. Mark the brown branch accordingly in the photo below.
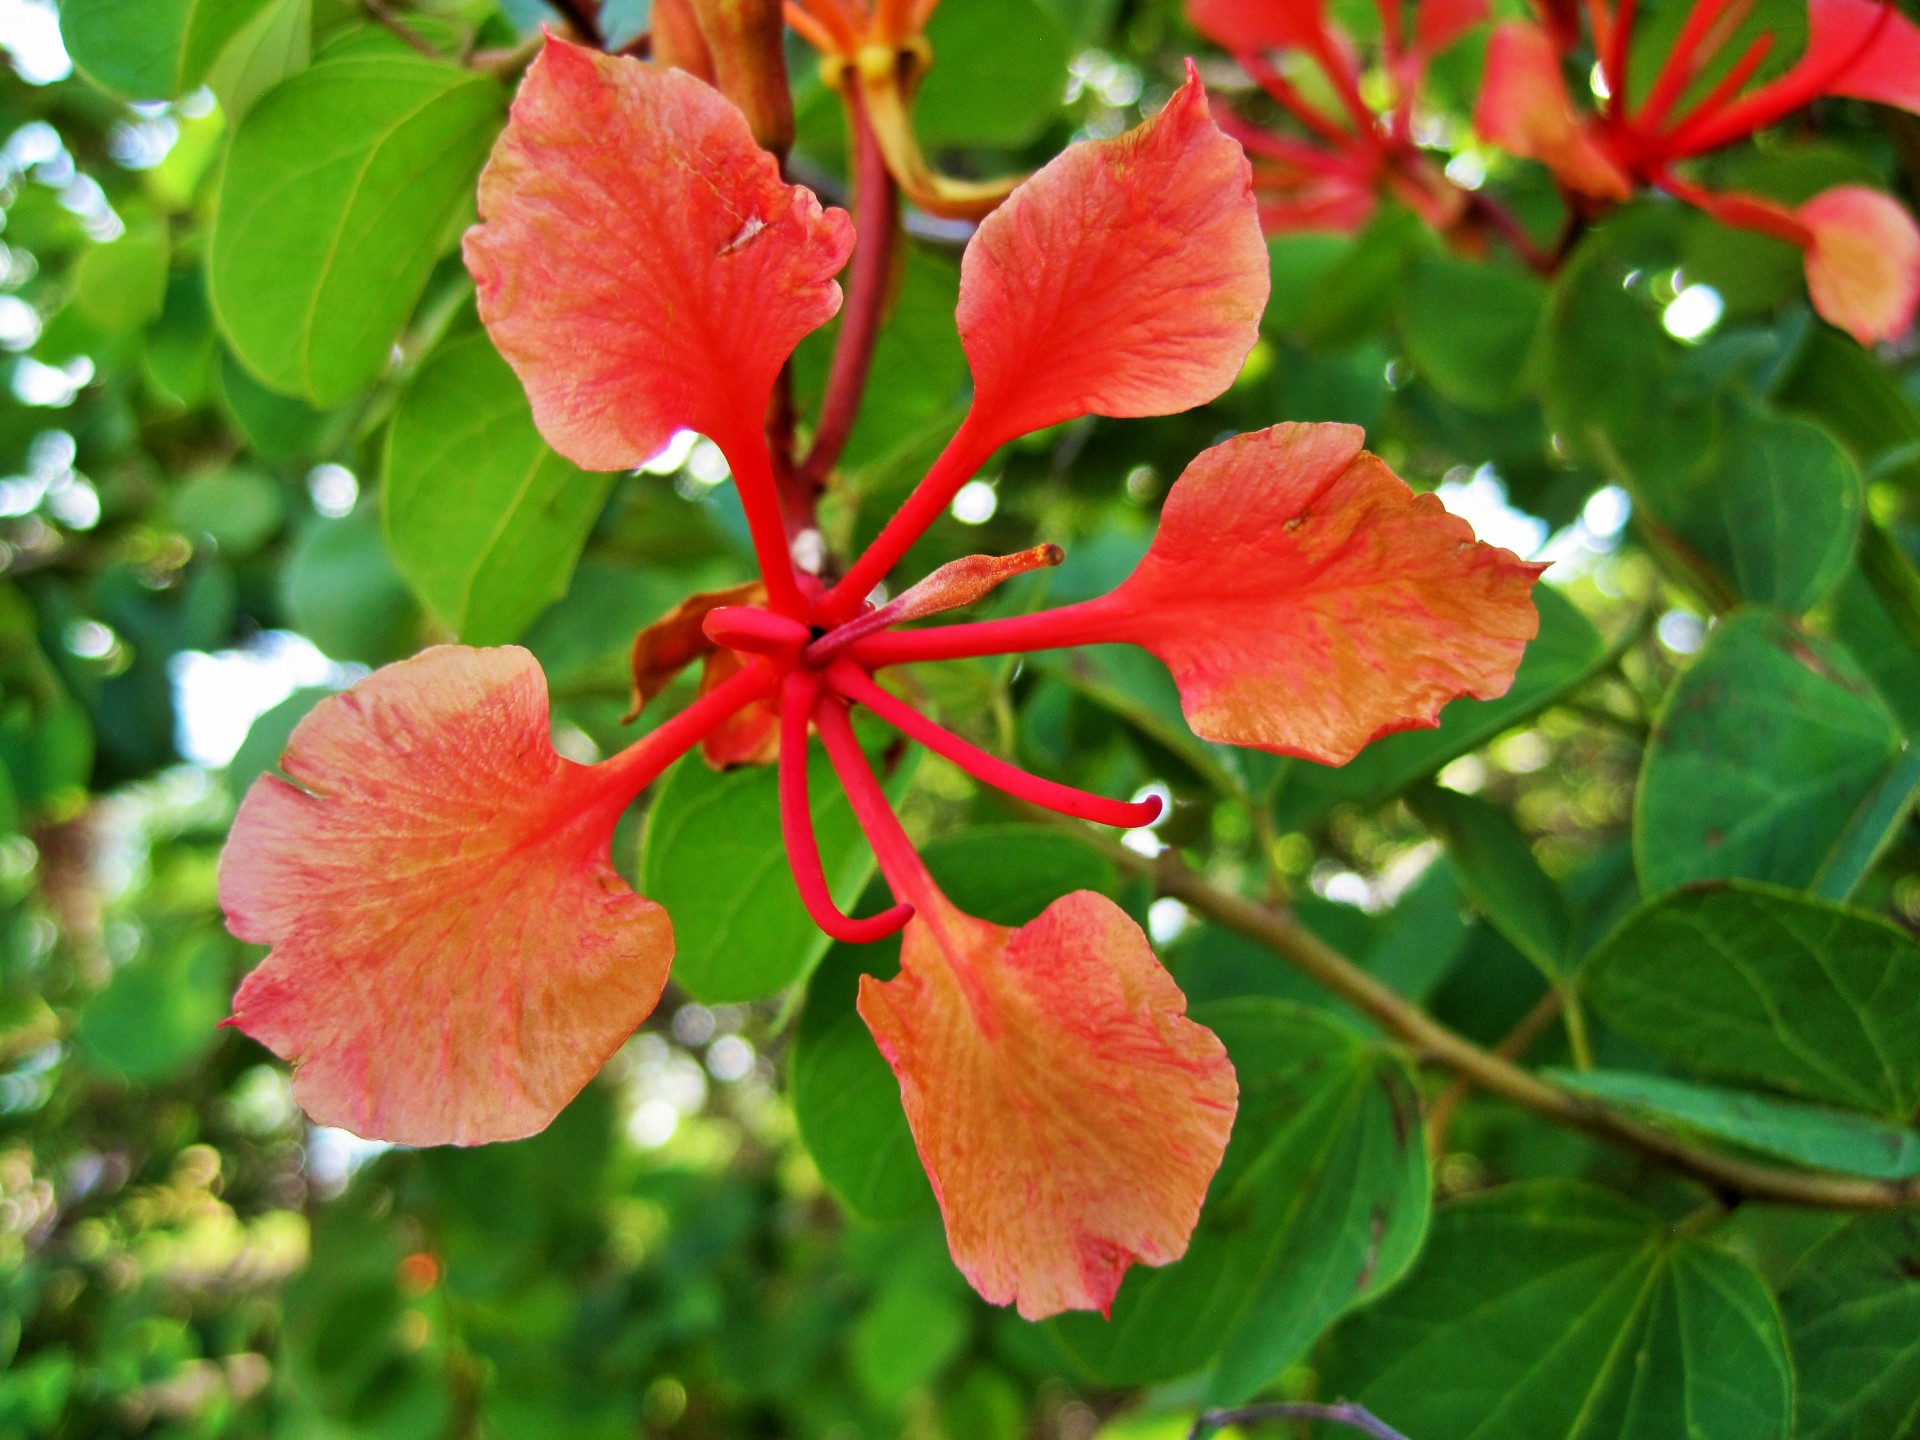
(1512, 1046)
(583, 16)
(1345, 1412)
(1281, 933)
(400, 30)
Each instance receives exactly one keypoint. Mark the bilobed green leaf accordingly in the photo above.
(181, 345)
(1565, 652)
(1359, 291)
(1855, 397)
(1559, 1311)
(714, 857)
(983, 90)
(1320, 1204)
(1500, 874)
(1764, 753)
(1469, 328)
(1772, 507)
(1852, 1309)
(341, 189)
(905, 1338)
(276, 427)
(483, 519)
(153, 49)
(1806, 1134)
(1749, 983)
(845, 1098)
(267, 737)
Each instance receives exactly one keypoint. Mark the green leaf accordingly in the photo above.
(845, 1098)
(122, 285)
(274, 44)
(239, 510)
(1805, 1134)
(276, 427)
(267, 737)
(1567, 650)
(1357, 295)
(154, 49)
(714, 857)
(1320, 1204)
(1500, 874)
(1852, 1310)
(1559, 1311)
(482, 518)
(1759, 985)
(905, 1339)
(982, 90)
(1772, 508)
(160, 1011)
(181, 344)
(1855, 397)
(1469, 328)
(342, 592)
(342, 188)
(1764, 752)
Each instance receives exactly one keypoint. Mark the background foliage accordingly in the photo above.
(254, 441)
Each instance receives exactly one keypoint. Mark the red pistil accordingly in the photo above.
(796, 825)
(854, 683)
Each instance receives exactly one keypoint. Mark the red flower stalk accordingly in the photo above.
(1862, 248)
(1334, 179)
(453, 955)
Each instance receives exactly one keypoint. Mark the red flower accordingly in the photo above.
(453, 956)
(1862, 248)
(1334, 181)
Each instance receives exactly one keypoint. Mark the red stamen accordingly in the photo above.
(1679, 69)
(1289, 151)
(957, 583)
(1772, 101)
(637, 766)
(1043, 630)
(1293, 102)
(756, 631)
(1338, 67)
(1614, 67)
(900, 864)
(1731, 83)
(796, 826)
(965, 453)
(853, 682)
(1392, 36)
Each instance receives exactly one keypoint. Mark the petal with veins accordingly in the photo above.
(453, 955)
(639, 261)
(1863, 267)
(1307, 601)
(1525, 110)
(1126, 278)
(1069, 1115)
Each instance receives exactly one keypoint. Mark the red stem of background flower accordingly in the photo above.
(854, 683)
(876, 223)
(1292, 101)
(1677, 70)
(796, 825)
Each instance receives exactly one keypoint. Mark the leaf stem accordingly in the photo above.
(1343, 1412)
(1895, 582)
(1285, 936)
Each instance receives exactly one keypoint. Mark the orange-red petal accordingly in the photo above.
(1069, 1115)
(453, 954)
(1439, 23)
(1871, 49)
(1126, 278)
(751, 735)
(1524, 108)
(640, 262)
(678, 638)
(1308, 602)
(1253, 26)
(1863, 266)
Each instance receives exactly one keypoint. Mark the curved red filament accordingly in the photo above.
(854, 683)
(796, 827)
(757, 631)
